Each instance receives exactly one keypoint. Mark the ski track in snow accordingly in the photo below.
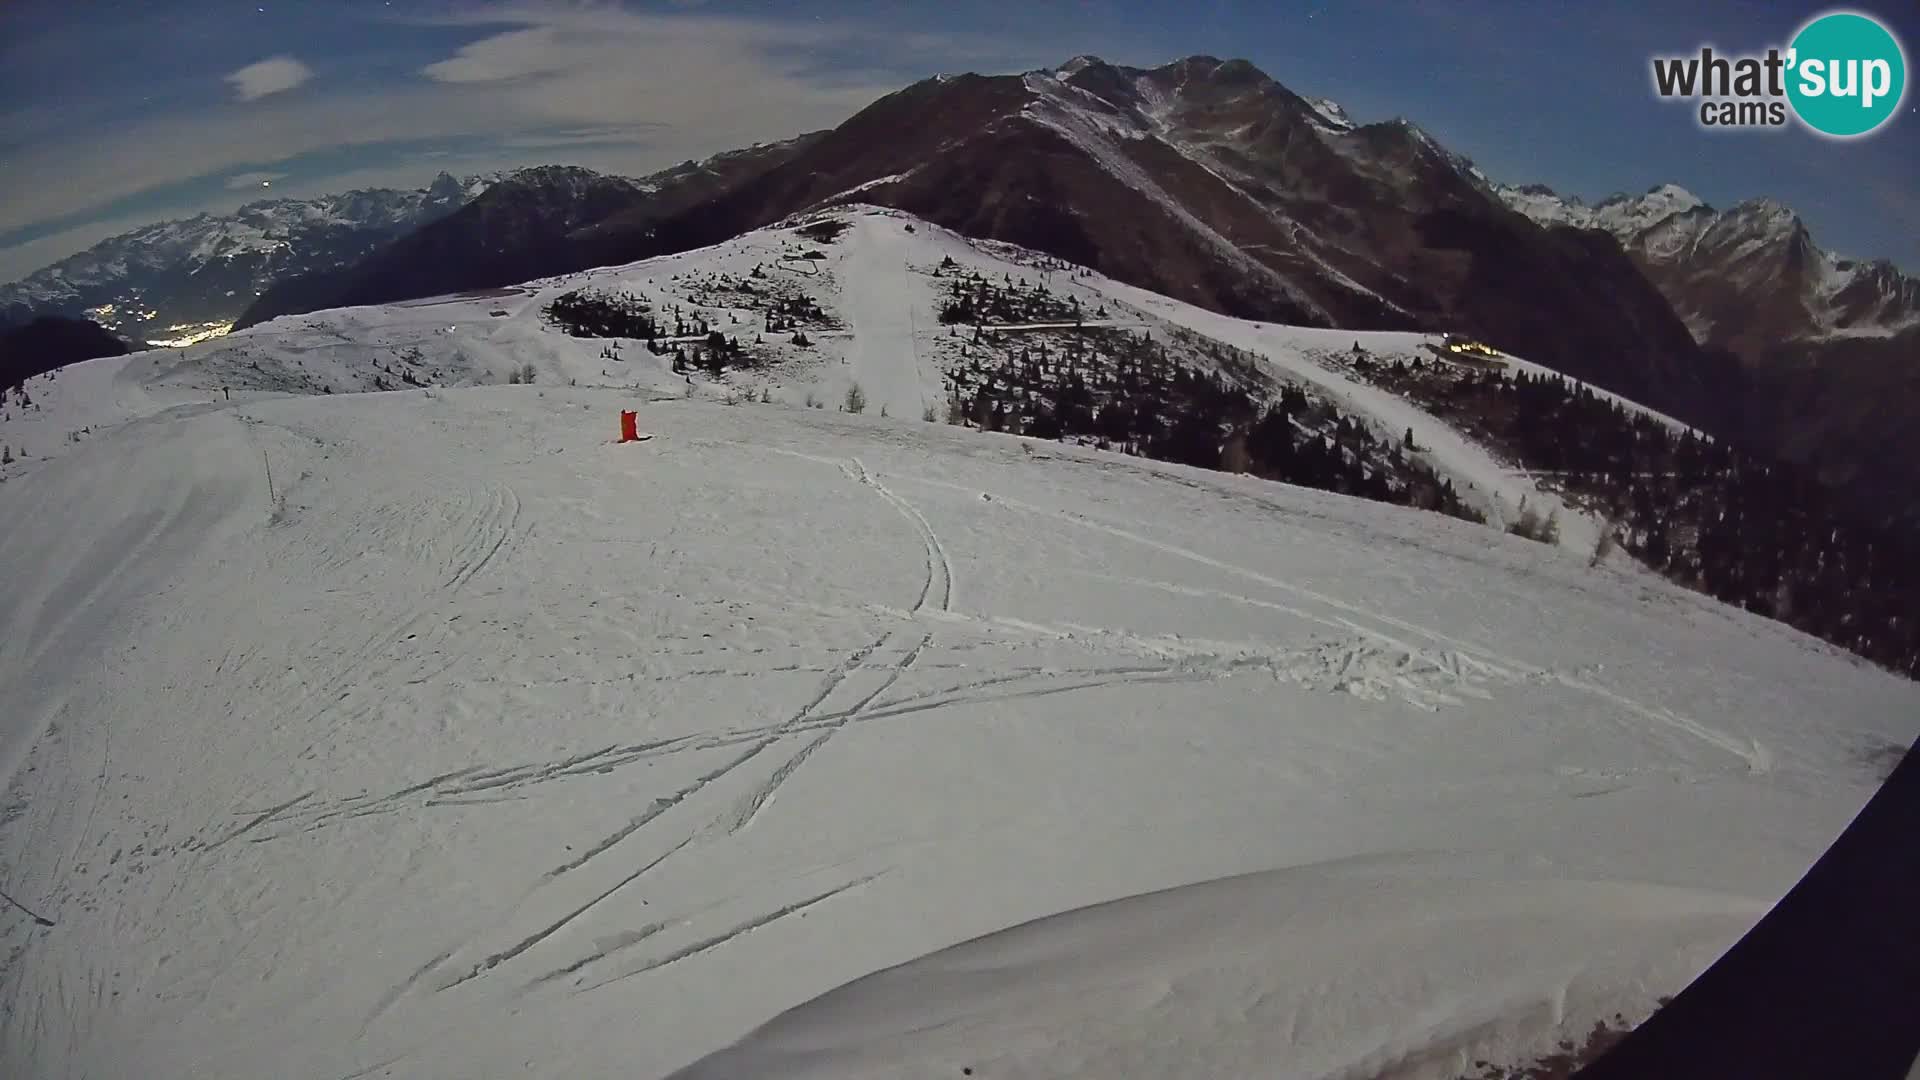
(1754, 755)
(482, 712)
(696, 948)
(939, 566)
(1366, 664)
(939, 576)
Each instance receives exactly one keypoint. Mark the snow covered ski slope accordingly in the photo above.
(433, 734)
(487, 746)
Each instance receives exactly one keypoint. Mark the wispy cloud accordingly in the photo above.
(19, 260)
(614, 66)
(245, 180)
(613, 88)
(270, 76)
(605, 135)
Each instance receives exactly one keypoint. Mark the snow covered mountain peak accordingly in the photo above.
(1075, 66)
(1660, 196)
(1751, 272)
(194, 275)
(1765, 213)
(1619, 213)
(1547, 206)
(1634, 215)
(1331, 113)
(558, 176)
(1675, 195)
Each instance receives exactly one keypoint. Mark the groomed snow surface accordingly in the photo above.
(472, 744)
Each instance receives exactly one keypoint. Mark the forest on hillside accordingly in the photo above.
(1180, 398)
(1757, 533)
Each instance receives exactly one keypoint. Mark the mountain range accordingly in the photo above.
(533, 223)
(1204, 180)
(175, 279)
(1742, 277)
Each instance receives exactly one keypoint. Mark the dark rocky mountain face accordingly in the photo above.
(1209, 182)
(51, 342)
(1845, 407)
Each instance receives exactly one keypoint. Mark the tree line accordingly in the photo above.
(1755, 532)
(1127, 392)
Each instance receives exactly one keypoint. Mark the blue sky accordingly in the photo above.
(114, 113)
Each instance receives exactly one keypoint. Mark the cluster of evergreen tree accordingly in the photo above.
(976, 300)
(684, 327)
(1133, 396)
(402, 374)
(1751, 531)
(1336, 453)
(591, 313)
(727, 290)
(784, 307)
(794, 312)
(714, 354)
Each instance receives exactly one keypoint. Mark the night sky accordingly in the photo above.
(114, 114)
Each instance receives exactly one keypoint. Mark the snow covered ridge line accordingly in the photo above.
(1254, 957)
(1621, 214)
(868, 185)
(1670, 229)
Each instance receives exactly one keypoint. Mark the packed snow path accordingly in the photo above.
(486, 747)
(879, 295)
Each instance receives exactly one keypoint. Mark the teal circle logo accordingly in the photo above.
(1847, 74)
